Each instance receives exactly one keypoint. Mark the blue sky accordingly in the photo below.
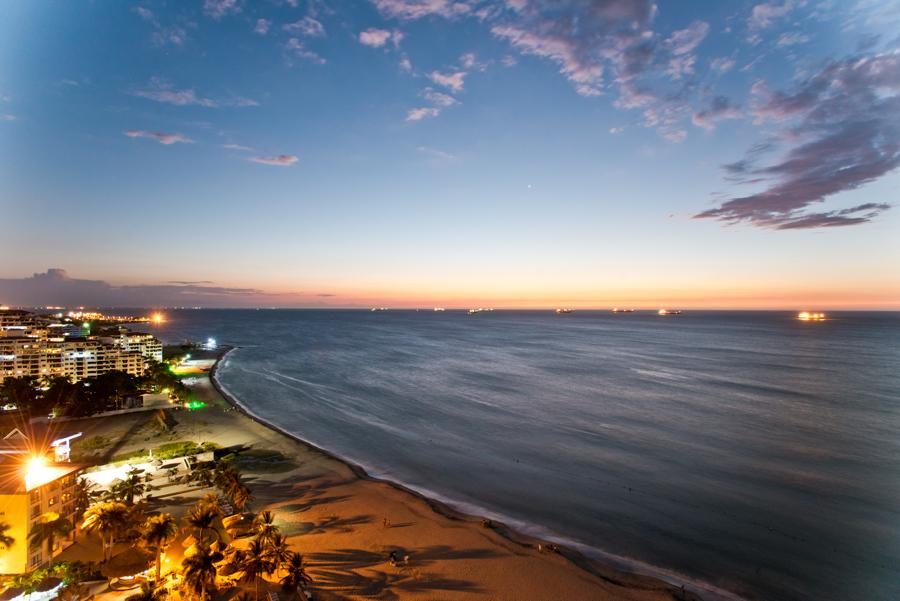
(518, 153)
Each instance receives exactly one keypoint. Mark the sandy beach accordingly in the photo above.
(346, 523)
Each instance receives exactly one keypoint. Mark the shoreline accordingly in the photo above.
(608, 568)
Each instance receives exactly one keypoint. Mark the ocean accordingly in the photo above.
(751, 452)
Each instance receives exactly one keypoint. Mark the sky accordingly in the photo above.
(457, 153)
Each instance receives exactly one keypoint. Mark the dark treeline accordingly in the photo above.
(59, 396)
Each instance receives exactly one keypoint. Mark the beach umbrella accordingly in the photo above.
(127, 563)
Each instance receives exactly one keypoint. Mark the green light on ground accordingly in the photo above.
(195, 405)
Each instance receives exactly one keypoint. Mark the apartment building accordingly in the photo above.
(32, 487)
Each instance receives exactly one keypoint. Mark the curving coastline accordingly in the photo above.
(617, 571)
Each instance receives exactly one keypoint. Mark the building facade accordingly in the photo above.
(32, 489)
(35, 347)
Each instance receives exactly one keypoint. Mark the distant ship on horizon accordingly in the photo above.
(563, 311)
(669, 312)
(618, 310)
(479, 310)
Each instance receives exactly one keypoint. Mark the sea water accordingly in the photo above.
(750, 451)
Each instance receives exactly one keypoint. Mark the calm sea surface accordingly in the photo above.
(750, 451)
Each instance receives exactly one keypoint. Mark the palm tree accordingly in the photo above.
(158, 531)
(255, 562)
(149, 592)
(212, 500)
(84, 497)
(241, 496)
(202, 476)
(47, 528)
(295, 573)
(264, 525)
(132, 486)
(106, 519)
(201, 518)
(277, 549)
(6, 541)
(199, 570)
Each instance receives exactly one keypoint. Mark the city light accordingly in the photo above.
(36, 471)
(810, 316)
(158, 318)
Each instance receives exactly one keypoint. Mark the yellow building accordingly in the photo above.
(31, 485)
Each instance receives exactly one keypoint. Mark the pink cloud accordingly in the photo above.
(417, 114)
(282, 160)
(160, 137)
(454, 81)
(416, 9)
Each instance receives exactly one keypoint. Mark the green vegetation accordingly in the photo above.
(70, 572)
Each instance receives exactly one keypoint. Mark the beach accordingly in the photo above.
(346, 524)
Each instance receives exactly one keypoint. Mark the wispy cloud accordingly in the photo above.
(454, 81)
(417, 114)
(160, 90)
(7, 117)
(237, 147)
(162, 138)
(438, 100)
(163, 35)
(791, 38)
(262, 26)
(436, 154)
(307, 26)
(221, 8)
(764, 15)
(842, 128)
(416, 9)
(722, 64)
(376, 38)
(282, 160)
(294, 47)
(720, 109)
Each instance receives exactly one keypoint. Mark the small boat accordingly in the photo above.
(669, 312)
(618, 310)
(479, 310)
(563, 311)
(439, 309)
(379, 309)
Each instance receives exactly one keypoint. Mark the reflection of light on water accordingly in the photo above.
(809, 316)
